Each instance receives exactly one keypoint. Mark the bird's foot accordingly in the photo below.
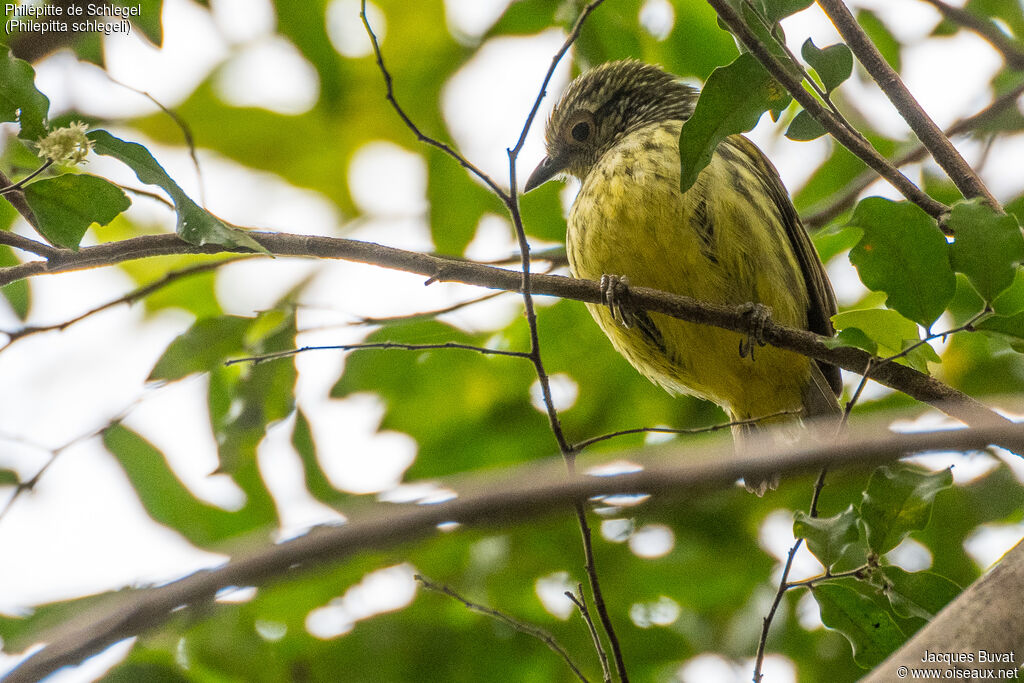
(758, 316)
(616, 296)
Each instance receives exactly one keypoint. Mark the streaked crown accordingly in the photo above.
(608, 102)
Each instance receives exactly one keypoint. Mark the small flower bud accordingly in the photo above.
(66, 145)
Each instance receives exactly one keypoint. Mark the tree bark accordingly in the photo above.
(974, 632)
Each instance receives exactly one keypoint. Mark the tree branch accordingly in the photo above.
(849, 195)
(1010, 49)
(848, 137)
(986, 617)
(528, 491)
(900, 377)
(17, 200)
(941, 149)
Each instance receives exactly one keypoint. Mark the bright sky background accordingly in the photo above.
(62, 386)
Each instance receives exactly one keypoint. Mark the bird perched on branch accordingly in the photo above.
(733, 238)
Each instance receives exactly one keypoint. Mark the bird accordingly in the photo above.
(733, 238)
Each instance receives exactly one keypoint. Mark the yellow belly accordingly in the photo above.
(721, 242)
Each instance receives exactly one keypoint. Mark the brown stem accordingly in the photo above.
(941, 149)
(1009, 48)
(841, 131)
(894, 375)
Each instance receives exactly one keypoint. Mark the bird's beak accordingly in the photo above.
(546, 169)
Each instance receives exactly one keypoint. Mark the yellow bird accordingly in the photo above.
(733, 238)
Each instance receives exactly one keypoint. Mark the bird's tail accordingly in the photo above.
(819, 401)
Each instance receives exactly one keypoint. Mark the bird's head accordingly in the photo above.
(603, 105)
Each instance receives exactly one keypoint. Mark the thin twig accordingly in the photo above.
(784, 583)
(33, 481)
(147, 193)
(15, 240)
(767, 621)
(129, 298)
(12, 187)
(829, 576)
(848, 137)
(1010, 49)
(426, 314)
(941, 149)
(389, 94)
(517, 625)
(262, 358)
(841, 202)
(580, 601)
(512, 202)
(186, 132)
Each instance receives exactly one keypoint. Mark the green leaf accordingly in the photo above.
(852, 337)
(18, 294)
(316, 481)
(195, 225)
(882, 37)
(870, 629)
(731, 102)
(19, 100)
(9, 477)
(244, 403)
(834, 63)
(170, 503)
(203, 347)
(904, 254)
(149, 18)
(834, 240)
(1010, 327)
(884, 332)
(480, 403)
(915, 594)
(67, 205)
(1011, 300)
(776, 10)
(456, 204)
(303, 24)
(987, 246)
(833, 540)
(804, 127)
(899, 500)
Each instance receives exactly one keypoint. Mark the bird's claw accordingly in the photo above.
(616, 296)
(758, 316)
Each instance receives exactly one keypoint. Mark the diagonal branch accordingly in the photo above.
(893, 375)
(529, 491)
(941, 149)
(848, 137)
(849, 195)
(1010, 49)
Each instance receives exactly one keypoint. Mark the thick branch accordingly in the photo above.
(941, 149)
(848, 137)
(494, 499)
(986, 617)
(436, 268)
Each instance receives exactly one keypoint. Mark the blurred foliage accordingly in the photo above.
(469, 412)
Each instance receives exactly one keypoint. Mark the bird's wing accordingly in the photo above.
(822, 299)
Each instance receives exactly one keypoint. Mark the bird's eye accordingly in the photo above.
(580, 132)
